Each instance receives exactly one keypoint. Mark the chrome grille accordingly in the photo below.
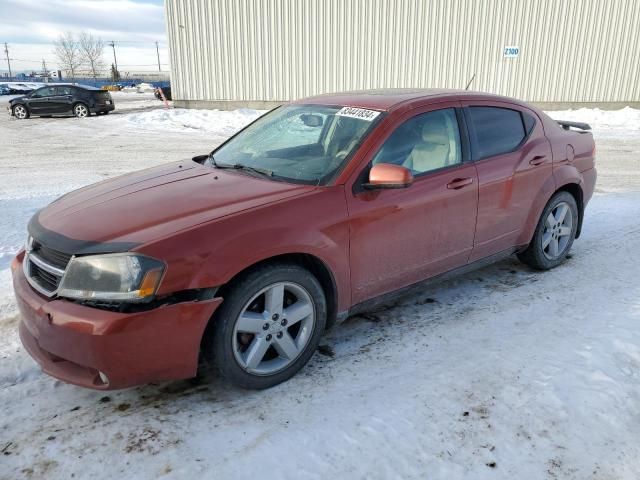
(53, 257)
(45, 279)
(44, 267)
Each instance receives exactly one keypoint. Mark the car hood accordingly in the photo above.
(121, 213)
(17, 99)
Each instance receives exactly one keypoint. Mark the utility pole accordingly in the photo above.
(158, 54)
(115, 60)
(45, 73)
(6, 51)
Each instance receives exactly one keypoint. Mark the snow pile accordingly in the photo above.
(32, 85)
(145, 88)
(219, 122)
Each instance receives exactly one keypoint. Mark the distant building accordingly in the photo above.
(145, 76)
(228, 53)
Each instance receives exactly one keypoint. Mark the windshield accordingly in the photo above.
(302, 143)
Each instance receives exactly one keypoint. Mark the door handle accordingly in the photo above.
(537, 160)
(459, 183)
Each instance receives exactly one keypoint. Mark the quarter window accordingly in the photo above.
(497, 130)
(424, 143)
(529, 122)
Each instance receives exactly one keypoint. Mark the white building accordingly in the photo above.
(260, 53)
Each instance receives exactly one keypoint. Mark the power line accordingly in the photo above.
(136, 41)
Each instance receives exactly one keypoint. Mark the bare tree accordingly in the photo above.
(92, 53)
(68, 52)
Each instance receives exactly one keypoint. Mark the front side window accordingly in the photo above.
(44, 92)
(424, 143)
(497, 130)
(302, 143)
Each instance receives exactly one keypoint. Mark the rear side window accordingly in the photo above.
(64, 91)
(497, 130)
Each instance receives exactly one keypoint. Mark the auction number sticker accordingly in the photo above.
(361, 113)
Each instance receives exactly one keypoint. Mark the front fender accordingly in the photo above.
(211, 254)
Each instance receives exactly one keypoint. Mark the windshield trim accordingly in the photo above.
(326, 179)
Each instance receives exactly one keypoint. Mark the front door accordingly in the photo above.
(38, 100)
(402, 236)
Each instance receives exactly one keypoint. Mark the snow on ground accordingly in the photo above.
(501, 373)
(128, 101)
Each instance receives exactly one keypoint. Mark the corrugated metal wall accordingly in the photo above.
(277, 50)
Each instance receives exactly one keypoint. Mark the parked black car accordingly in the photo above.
(80, 100)
(15, 88)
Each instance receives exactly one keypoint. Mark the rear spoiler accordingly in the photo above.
(567, 125)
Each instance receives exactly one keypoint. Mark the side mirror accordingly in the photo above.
(311, 120)
(387, 175)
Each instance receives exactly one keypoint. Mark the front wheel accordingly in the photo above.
(80, 110)
(554, 233)
(20, 112)
(268, 326)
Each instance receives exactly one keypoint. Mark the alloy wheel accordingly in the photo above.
(557, 231)
(20, 112)
(81, 111)
(273, 328)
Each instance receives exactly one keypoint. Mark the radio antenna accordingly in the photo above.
(469, 84)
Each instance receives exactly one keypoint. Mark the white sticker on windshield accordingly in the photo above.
(361, 113)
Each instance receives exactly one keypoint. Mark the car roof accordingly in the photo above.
(68, 84)
(386, 99)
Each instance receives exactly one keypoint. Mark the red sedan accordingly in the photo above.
(316, 211)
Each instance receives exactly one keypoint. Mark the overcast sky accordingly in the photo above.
(31, 26)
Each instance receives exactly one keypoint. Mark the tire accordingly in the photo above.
(80, 110)
(554, 235)
(252, 343)
(21, 112)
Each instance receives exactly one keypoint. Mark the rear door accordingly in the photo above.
(514, 162)
(62, 100)
(401, 236)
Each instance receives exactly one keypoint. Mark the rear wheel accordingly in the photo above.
(554, 233)
(80, 110)
(268, 326)
(20, 112)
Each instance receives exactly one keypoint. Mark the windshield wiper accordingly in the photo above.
(240, 166)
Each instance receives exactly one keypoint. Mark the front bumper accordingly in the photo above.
(107, 350)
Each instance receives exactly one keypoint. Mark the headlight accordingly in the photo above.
(114, 277)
